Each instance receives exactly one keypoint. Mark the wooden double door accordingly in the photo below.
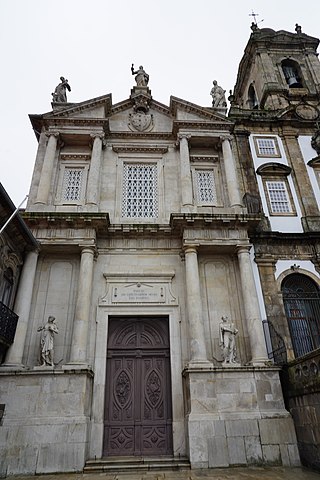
(138, 408)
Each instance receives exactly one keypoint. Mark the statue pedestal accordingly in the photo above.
(236, 416)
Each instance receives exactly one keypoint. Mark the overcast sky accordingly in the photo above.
(183, 45)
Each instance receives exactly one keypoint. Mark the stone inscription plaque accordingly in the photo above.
(138, 293)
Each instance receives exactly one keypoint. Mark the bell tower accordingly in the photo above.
(278, 70)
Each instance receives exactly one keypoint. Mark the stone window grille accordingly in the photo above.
(278, 197)
(266, 147)
(140, 190)
(72, 184)
(205, 187)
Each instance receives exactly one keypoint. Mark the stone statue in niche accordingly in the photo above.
(227, 341)
(218, 96)
(60, 94)
(47, 339)
(141, 78)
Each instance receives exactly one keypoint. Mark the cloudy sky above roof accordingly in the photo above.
(183, 45)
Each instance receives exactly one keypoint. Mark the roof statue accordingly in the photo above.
(142, 78)
(60, 95)
(218, 96)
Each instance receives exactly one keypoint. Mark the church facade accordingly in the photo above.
(157, 261)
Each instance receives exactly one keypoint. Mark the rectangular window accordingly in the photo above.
(72, 184)
(140, 190)
(205, 187)
(266, 147)
(278, 197)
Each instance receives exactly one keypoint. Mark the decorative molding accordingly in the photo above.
(125, 148)
(204, 158)
(74, 156)
(153, 288)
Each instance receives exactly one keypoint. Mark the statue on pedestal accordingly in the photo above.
(46, 343)
(142, 78)
(227, 340)
(60, 94)
(218, 96)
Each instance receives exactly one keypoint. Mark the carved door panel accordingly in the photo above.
(138, 388)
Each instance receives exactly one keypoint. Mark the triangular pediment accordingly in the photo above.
(183, 110)
(124, 116)
(98, 107)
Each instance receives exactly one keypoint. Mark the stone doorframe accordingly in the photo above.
(105, 310)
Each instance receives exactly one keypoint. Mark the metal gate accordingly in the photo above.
(302, 306)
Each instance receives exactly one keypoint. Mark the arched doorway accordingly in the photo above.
(301, 299)
(138, 418)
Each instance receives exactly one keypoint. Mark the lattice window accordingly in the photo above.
(205, 186)
(266, 147)
(279, 198)
(72, 184)
(140, 191)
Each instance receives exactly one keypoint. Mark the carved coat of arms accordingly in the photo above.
(140, 121)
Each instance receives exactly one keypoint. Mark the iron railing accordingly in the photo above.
(8, 324)
(275, 344)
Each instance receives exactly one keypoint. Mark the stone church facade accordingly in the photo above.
(153, 225)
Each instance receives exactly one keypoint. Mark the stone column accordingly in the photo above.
(22, 308)
(251, 308)
(78, 353)
(231, 173)
(185, 172)
(47, 168)
(94, 171)
(194, 306)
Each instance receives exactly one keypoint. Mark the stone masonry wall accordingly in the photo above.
(45, 422)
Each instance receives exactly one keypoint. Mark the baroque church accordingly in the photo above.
(172, 273)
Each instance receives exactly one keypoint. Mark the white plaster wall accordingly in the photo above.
(285, 224)
(307, 265)
(308, 154)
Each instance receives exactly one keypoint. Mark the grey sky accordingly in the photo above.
(182, 44)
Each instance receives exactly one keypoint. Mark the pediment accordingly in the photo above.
(183, 110)
(98, 107)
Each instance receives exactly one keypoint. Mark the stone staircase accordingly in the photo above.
(136, 464)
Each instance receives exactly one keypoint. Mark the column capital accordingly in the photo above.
(191, 248)
(98, 135)
(243, 248)
(181, 136)
(224, 138)
(53, 133)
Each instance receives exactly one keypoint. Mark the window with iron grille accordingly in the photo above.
(72, 184)
(140, 190)
(278, 197)
(205, 187)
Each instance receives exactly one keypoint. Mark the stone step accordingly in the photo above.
(136, 464)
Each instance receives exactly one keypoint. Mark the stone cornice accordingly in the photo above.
(75, 156)
(197, 126)
(140, 148)
(70, 122)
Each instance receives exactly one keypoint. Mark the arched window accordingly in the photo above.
(252, 98)
(301, 298)
(291, 71)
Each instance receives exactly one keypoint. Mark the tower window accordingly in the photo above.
(291, 71)
(278, 197)
(266, 147)
(252, 98)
